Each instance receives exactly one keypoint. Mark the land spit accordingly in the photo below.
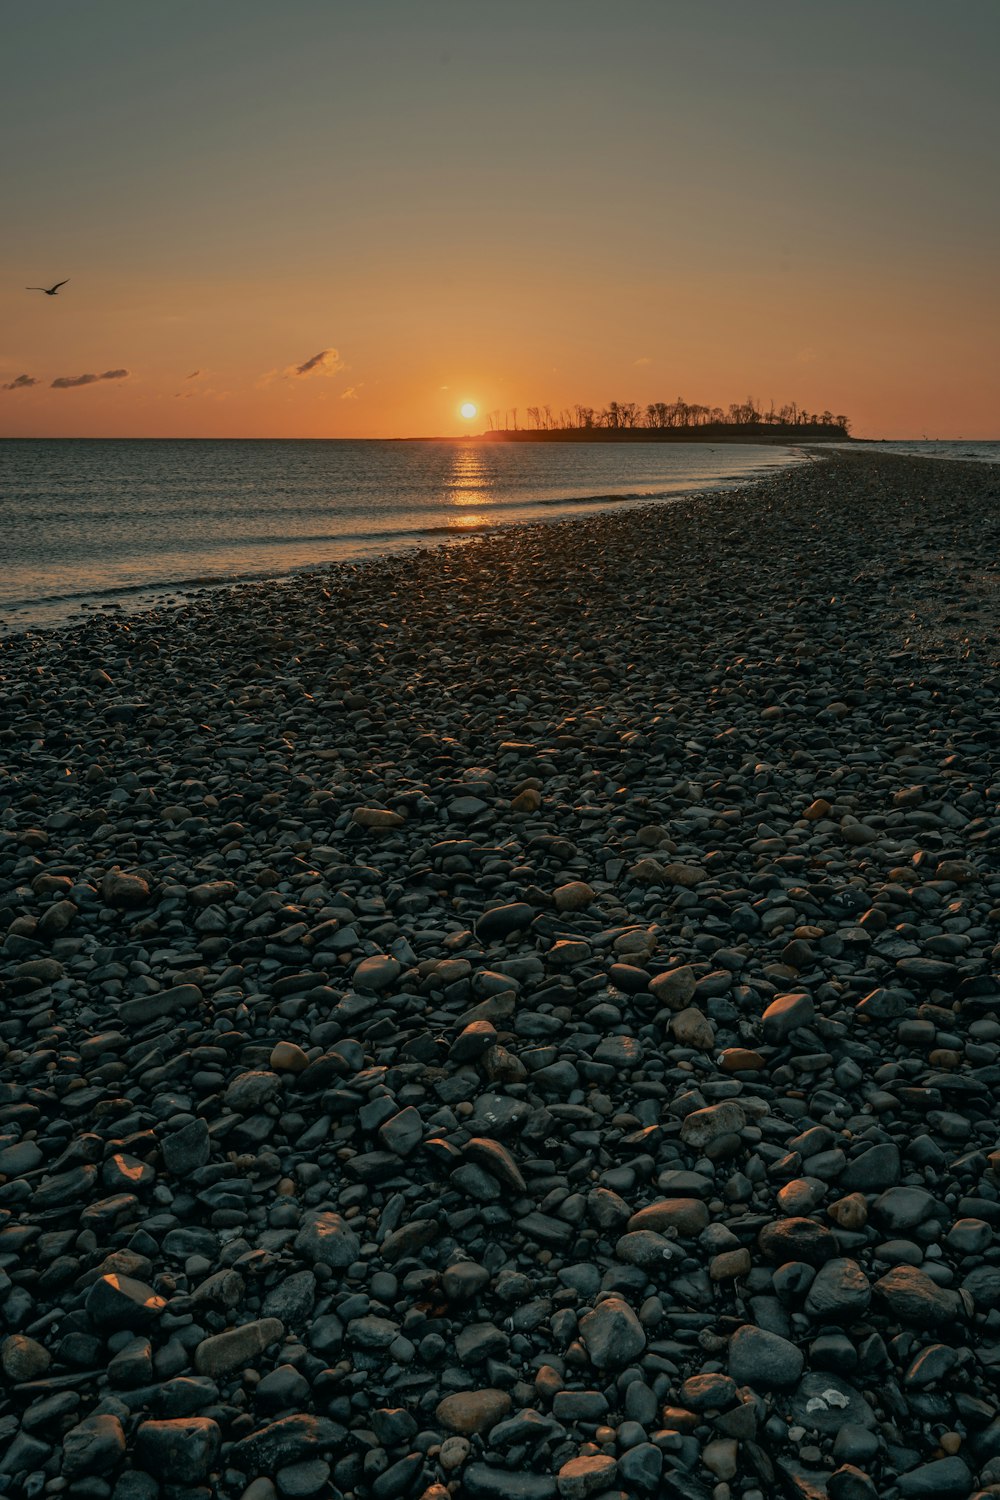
(517, 1020)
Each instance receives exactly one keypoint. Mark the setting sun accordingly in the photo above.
(468, 410)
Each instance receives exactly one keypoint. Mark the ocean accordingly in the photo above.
(119, 523)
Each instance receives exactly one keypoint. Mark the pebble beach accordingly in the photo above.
(519, 1019)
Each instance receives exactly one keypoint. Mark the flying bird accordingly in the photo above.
(50, 291)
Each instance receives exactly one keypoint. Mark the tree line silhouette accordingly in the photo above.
(664, 416)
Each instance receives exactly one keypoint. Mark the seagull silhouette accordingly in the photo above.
(50, 291)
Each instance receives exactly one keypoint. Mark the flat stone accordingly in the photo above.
(228, 1351)
(485, 1482)
(763, 1360)
(580, 1477)
(180, 1000)
(824, 1403)
(469, 1412)
(688, 1216)
(944, 1479)
(703, 1126)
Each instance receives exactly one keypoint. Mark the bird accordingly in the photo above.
(50, 291)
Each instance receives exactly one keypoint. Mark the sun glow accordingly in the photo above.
(468, 410)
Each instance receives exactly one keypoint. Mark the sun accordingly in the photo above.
(468, 410)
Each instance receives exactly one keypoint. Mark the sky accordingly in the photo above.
(329, 219)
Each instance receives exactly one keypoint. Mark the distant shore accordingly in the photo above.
(712, 433)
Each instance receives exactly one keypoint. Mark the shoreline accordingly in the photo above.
(517, 1016)
(52, 612)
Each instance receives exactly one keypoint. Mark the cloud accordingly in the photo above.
(326, 362)
(644, 360)
(351, 394)
(67, 382)
(21, 383)
(193, 376)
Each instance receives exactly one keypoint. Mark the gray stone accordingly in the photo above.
(95, 1446)
(179, 1451)
(612, 1334)
(763, 1360)
(840, 1290)
(327, 1239)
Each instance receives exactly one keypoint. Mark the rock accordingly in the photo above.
(911, 1296)
(182, 1450)
(824, 1403)
(720, 1457)
(686, 876)
(612, 1334)
(484, 1482)
(22, 1358)
(840, 1290)
(675, 987)
(251, 1091)
(687, 1216)
(286, 1057)
(179, 999)
(576, 895)
(797, 1238)
(692, 1029)
(786, 1014)
(878, 1167)
(943, 1479)
(902, 1208)
(469, 1412)
(639, 1469)
(187, 1149)
(402, 1133)
(379, 818)
(580, 1477)
(763, 1360)
(94, 1446)
(704, 1126)
(326, 1238)
(119, 1302)
(502, 921)
(290, 1440)
(377, 973)
(223, 1352)
(851, 1483)
(122, 890)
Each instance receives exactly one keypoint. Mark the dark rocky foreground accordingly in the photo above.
(517, 1021)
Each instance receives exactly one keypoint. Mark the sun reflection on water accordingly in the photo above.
(469, 480)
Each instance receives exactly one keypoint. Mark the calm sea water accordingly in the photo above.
(97, 522)
(957, 449)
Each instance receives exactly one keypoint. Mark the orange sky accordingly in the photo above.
(452, 204)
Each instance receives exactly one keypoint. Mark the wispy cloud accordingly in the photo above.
(68, 382)
(326, 362)
(193, 376)
(351, 394)
(21, 383)
(643, 360)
